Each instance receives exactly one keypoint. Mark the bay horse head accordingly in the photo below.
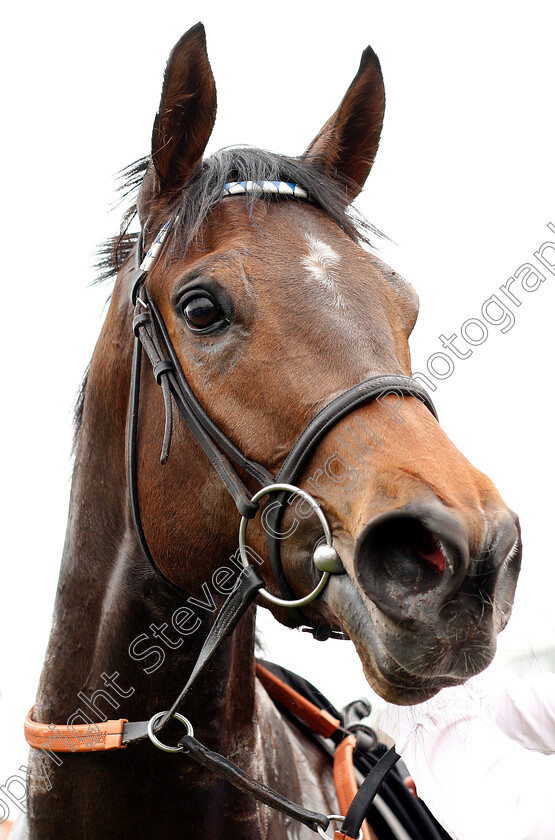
(274, 310)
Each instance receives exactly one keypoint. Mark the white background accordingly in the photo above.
(463, 184)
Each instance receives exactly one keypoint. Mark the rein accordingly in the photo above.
(151, 336)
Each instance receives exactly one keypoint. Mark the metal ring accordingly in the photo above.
(335, 818)
(154, 720)
(282, 602)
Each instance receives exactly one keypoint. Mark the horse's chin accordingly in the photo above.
(403, 673)
(396, 685)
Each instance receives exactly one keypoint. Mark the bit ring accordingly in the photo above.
(306, 599)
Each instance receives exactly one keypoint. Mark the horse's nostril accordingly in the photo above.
(402, 551)
(412, 554)
(418, 542)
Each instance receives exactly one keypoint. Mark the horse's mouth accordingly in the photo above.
(403, 663)
(422, 609)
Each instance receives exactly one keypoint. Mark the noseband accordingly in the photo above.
(151, 335)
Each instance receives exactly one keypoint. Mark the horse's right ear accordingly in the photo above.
(187, 111)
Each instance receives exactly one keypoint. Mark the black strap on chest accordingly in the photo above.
(226, 769)
(234, 608)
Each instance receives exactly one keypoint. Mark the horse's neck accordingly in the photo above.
(113, 626)
(110, 610)
(140, 791)
(119, 618)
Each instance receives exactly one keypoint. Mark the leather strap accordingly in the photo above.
(326, 725)
(225, 769)
(77, 738)
(317, 719)
(374, 388)
(363, 800)
(236, 605)
(115, 734)
(167, 373)
(346, 785)
(132, 434)
(371, 389)
(192, 407)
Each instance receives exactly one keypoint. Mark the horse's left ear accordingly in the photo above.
(346, 146)
(187, 111)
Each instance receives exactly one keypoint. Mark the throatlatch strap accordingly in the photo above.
(132, 435)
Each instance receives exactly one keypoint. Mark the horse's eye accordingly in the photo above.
(202, 312)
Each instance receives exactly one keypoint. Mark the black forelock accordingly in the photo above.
(204, 191)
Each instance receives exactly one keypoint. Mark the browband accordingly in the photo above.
(285, 188)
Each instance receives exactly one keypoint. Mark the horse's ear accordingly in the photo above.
(346, 146)
(187, 111)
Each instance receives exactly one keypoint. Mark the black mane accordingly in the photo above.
(205, 190)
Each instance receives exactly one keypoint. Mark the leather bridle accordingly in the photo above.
(151, 335)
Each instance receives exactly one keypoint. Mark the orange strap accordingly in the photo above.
(324, 724)
(319, 720)
(107, 735)
(88, 737)
(346, 784)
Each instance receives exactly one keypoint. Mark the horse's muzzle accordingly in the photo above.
(423, 568)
